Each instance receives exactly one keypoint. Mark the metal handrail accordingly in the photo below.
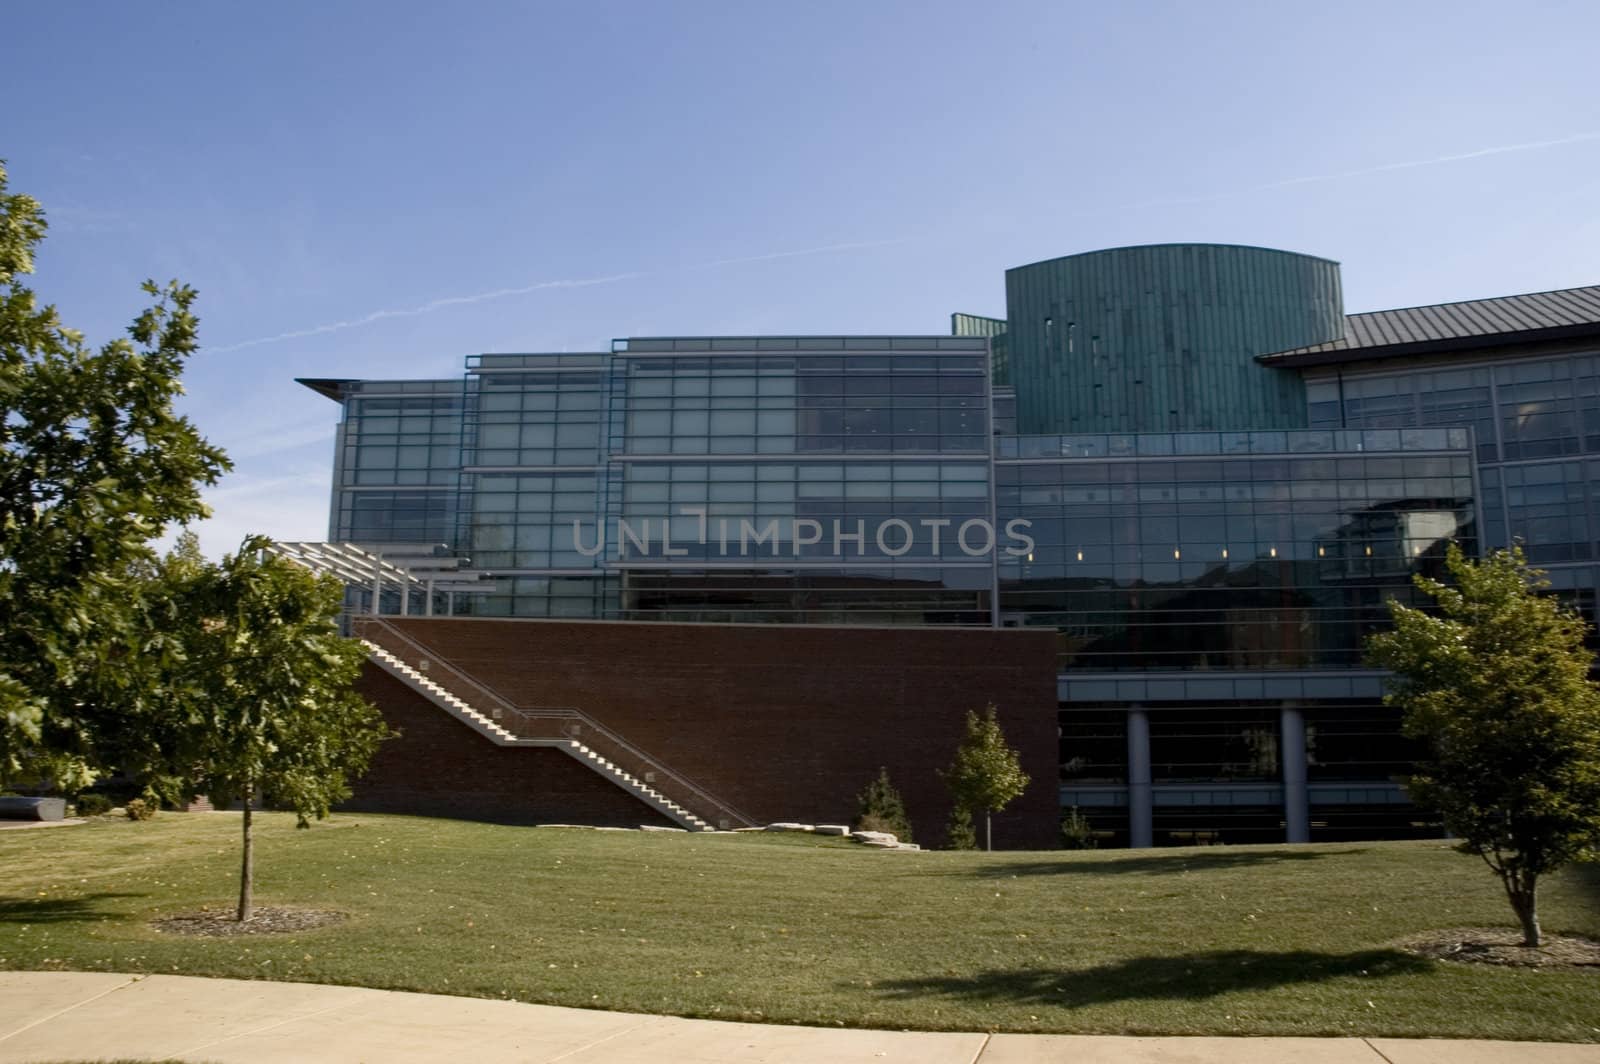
(426, 654)
(649, 761)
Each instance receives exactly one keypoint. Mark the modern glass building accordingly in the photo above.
(1220, 482)
(773, 479)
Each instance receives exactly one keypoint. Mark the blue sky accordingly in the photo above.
(377, 190)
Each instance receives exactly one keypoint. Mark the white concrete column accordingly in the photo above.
(377, 585)
(1141, 821)
(1296, 798)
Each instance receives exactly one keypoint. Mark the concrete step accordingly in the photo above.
(461, 707)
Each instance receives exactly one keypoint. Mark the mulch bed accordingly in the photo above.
(1501, 945)
(266, 920)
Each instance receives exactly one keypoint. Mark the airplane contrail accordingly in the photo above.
(425, 308)
(1410, 164)
(1532, 145)
(501, 293)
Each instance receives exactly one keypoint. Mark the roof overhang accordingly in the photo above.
(1329, 354)
(332, 387)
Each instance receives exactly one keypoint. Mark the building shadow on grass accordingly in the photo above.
(14, 910)
(1586, 878)
(1186, 977)
(1162, 865)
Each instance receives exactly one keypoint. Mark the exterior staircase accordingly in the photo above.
(560, 729)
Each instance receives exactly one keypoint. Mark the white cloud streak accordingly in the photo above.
(1367, 171)
(587, 282)
(1503, 149)
(426, 308)
(291, 439)
(503, 293)
(290, 506)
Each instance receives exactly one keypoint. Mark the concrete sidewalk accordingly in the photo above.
(74, 1016)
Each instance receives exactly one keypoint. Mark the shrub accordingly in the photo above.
(881, 805)
(872, 822)
(91, 804)
(139, 809)
(1076, 833)
(959, 834)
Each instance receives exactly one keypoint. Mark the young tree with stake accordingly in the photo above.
(986, 775)
(266, 704)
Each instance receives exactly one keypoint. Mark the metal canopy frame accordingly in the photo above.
(402, 569)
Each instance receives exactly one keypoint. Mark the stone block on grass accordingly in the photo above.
(13, 807)
(875, 838)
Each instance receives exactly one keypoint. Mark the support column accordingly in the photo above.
(1296, 797)
(1141, 820)
(377, 585)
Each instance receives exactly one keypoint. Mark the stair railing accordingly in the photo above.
(475, 693)
(564, 723)
(647, 768)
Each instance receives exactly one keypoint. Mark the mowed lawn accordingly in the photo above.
(798, 929)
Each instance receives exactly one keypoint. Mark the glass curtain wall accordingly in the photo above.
(801, 480)
(1227, 550)
(397, 463)
(532, 465)
(1537, 423)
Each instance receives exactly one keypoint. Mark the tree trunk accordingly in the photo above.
(988, 831)
(1526, 903)
(247, 864)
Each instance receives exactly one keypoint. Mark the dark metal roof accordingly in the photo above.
(1566, 312)
(332, 387)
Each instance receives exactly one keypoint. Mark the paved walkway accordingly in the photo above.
(75, 1016)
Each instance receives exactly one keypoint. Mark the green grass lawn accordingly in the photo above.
(797, 929)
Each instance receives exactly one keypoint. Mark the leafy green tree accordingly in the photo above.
(986, 775)
(1497, 683)
(958, 833)
(94, 463)
(880, 808)
(263, 705)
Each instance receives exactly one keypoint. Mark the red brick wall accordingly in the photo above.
(786, 722)
(440, 767)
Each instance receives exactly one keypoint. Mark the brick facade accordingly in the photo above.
(785, 722)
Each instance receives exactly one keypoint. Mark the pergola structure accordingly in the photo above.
(393, 573)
